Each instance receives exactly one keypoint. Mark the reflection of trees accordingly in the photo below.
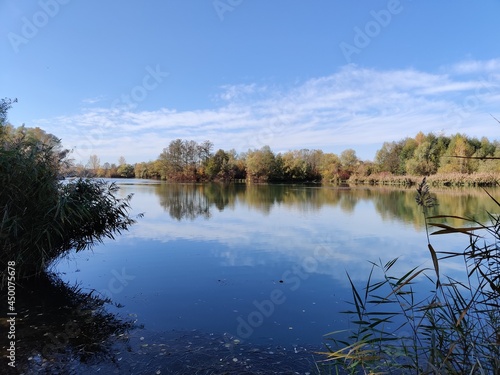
(59, 327)
(188, 201)
(183, 201)
(222, 195)
(400, 205)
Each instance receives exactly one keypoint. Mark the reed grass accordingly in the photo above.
(455, 329)
(435, 180)
(43, 218)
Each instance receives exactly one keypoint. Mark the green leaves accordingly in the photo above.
(42, 218)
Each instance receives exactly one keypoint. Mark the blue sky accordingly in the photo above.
(126, 77)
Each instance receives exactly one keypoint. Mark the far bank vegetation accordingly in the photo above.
(456, 160)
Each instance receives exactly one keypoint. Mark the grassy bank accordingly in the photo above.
(439, 179)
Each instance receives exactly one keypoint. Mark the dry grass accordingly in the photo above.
(439, 179)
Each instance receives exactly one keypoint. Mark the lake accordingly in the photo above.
(242, 277)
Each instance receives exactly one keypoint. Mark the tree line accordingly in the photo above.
(422, 155)
(429, 154)
(187, 160)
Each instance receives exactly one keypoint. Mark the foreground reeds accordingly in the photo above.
(455, 329)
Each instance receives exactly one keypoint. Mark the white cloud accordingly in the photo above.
(477, 66)
(93, 100)
(354, 107)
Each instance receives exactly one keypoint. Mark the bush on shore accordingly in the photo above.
(42, 217)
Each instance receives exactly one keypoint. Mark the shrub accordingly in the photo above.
(42, 217)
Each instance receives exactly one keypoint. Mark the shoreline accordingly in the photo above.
(377, 179)
(435, 180)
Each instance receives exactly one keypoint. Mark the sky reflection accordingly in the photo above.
(204, 256)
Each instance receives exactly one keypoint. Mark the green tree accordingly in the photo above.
(407, 151)
(455, 159)
(301, 165)
(422, 163)
(42, 218)
(5, 105)
(387, 158)
(217, 166)
(485, 149)
(126, 171)
(261, 164)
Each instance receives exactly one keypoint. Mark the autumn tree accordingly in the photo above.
(184, 160)
(455, 159)
(125, 170)
(330, 168)
(261, 164)
(94, 164)
(349, 161)
(301, 165)
(427, 155)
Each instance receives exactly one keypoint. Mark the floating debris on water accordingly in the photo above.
(179, 352)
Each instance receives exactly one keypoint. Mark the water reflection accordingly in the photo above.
(206, 255)
(59, 328)
(400, 205)
(278, 222)
(189, 201)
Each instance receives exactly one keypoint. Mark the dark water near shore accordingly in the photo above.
(239, 277)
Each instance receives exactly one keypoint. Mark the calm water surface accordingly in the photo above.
(264, 265)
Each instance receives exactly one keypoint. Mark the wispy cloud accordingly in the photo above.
(354, 107)
(477, 66)
(93, 100)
